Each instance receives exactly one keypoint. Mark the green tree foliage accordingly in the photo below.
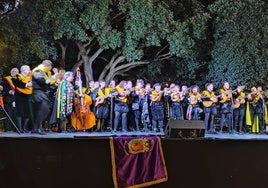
(21, 34)
(131, 29)
(186, 41)
(239, 53)
(125, 34)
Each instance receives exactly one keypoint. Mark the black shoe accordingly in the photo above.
(21, 131)
(145, 130)
(49, 131)
(26, 131)
(39, 131)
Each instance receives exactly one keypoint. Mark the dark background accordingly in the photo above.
(86, 162)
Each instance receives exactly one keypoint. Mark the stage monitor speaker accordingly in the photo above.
(185, 129)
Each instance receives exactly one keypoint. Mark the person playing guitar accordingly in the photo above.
(101, 105)
(226, 107)
(157, 108)
(121, 107)
(256, 109)
(176, 111)
(239, 108)
(195, 98)
(138, 99)
(210, 108)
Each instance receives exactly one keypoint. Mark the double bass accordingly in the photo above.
(82, 118)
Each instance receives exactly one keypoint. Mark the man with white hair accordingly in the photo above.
(63, 104)
(23, 92)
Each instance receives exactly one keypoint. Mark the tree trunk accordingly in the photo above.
(63, 53)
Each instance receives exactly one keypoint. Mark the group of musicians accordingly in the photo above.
(57, 98)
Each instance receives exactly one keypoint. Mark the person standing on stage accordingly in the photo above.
(226, 108)
(146, 112)
(138, 96)
(185, 101)
(194, 110)
(23, 92)
(210, 108)
(9, 95)
(157, 108)
(239, 108)
(63, 104)
(42, 78)
(130, 115)
(176, 97)
(121, 106)
(265, 101)
(102, 108)
(255, 109)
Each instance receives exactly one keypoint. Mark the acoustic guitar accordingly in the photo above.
(156, 97)
(176, 97)
(238, 101)
(194, 99)
(227, 95)
(210, 101)
(100, 100)
(224, 97)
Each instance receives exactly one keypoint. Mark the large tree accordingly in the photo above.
(123, 33)
(178, 40)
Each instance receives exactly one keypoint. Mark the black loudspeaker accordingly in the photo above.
(185, 129)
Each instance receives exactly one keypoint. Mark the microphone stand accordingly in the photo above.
(232, 115)
(111, 113)
(10, 119)
(263, 114)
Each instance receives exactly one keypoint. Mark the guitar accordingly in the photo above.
(212, 100)
(238, 101)
(156, 97)
(100, 100)
(195, 99)
(176, 97)
(227, 95)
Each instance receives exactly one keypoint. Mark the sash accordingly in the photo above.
(1, 101)
(9, 82)
(25, 90)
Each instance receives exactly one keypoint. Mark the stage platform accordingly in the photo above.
(71, 135)
(83, 159)
(81, 134)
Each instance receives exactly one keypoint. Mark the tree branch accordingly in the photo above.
(96, 54)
